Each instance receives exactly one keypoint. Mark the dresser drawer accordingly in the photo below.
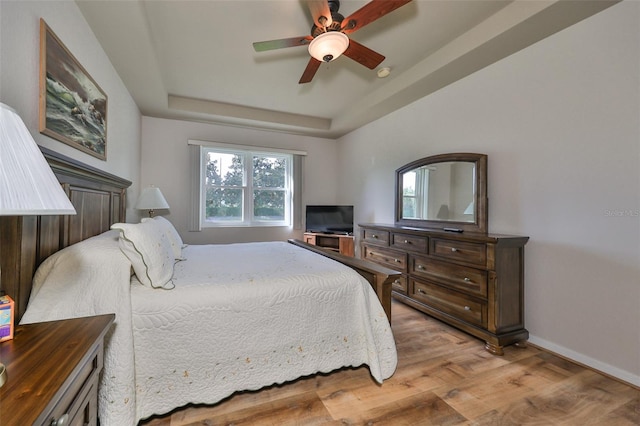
(400, 284)
(390, 258)
(409, 242)
(87, 410)
(469, 280)
(74, 402)
(473, 253)
(450, 302)
(375, 237)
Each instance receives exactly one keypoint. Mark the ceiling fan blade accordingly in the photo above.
(363, 55)
(261, 46)
(310, 71)
(368, 13)
(320, 9)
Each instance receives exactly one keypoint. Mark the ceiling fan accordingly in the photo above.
(329, 34)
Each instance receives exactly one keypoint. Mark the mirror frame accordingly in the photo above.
(481, 201)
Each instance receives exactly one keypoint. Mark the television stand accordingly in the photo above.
(341, 243)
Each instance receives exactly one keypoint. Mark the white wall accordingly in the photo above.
(560, 124)
(165, 164)
(19, 82)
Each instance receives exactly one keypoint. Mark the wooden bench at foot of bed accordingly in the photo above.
(380, 278)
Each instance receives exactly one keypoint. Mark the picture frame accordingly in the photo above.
(73, 108)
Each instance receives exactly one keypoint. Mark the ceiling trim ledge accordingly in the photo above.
(238, 111)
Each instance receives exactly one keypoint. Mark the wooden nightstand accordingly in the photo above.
(52, 372)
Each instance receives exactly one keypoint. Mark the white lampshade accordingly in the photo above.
(151, 199)
(328, 46)
(27, 183)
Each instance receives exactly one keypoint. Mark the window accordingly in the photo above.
(415, 187)
(245, 188)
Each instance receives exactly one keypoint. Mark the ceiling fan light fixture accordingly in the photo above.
(328, 46)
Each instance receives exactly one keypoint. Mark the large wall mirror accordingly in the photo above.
(443, 191)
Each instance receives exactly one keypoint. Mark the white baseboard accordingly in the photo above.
(600, 366)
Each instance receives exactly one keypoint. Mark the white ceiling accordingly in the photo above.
(194, 60)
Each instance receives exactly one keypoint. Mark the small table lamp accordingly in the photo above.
(151, 199)
(27, 183)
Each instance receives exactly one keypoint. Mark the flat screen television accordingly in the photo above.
(329, 219)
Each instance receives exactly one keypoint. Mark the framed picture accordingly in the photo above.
(73, 108)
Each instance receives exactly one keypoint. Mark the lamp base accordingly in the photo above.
(3, 375)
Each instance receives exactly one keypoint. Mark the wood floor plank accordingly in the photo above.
(444, 377)
(366, 396)
(465, 403)
(424, 408)
(628, 413)
(305, 408)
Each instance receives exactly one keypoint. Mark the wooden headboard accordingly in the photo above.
(25, 241)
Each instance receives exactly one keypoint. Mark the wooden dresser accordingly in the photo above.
(472, 281)
(52, 372)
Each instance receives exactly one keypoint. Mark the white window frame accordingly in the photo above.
(420, 192)
(294, 181)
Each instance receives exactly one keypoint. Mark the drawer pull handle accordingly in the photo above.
(467, 279)
(397, 282)
(420, 267)
(407, 242)
(421, 291)
(62, 421)
(374, 236)
(396, 260)
(466, 308)
(453, 249)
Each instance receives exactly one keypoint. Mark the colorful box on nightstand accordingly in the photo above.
(7, 308)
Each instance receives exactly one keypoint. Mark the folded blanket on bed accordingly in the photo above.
(92, 278)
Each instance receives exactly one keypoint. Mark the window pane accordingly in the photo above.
(223, 204)
(409, 183)
(409, 207)
(269, 172)
(224, 169)
(268, 205)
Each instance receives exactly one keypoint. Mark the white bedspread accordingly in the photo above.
(241, 317)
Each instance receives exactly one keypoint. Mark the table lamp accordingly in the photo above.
(28, 186)
(151, 199)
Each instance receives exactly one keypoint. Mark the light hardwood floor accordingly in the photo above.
(444, 377)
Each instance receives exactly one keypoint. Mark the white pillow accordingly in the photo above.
(148, 249)
(174, 238)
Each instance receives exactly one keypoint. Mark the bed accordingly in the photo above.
(221, 324)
